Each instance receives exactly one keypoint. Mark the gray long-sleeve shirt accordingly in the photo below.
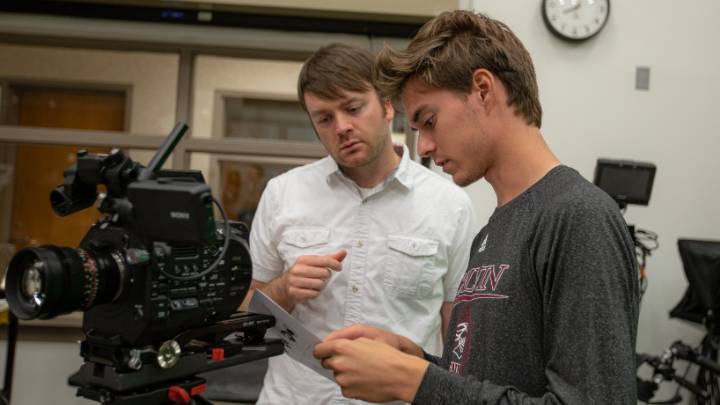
(547, 311)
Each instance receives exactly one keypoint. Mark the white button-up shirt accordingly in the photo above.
(408, 242)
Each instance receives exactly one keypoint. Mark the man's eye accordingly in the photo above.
(429, 122)
(354, 109)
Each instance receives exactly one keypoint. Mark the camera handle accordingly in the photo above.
(163, 152)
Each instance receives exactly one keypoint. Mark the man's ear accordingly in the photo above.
(482, 86)
(389, 109)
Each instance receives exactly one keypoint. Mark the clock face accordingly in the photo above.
(575, 20)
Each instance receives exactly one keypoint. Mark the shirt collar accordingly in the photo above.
(402, 173)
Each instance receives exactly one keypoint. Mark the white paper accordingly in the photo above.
(298, 341)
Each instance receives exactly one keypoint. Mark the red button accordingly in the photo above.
(197, 390)
(218, 353)
(178, 395)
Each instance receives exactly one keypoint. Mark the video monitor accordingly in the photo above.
(701, 263)
(627, 182)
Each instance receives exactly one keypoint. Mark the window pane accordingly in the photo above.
(242, 185)
(267, 119)
(37, 169)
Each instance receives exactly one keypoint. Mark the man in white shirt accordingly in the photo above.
(364, 235)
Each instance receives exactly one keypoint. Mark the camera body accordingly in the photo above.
(150, 306)
(159, 281)
(137, 272)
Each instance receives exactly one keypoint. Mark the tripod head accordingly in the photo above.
(105, 379)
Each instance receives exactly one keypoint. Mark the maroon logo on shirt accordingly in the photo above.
(481, 283)
(461, 341)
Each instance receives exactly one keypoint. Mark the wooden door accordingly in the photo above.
(39, 168)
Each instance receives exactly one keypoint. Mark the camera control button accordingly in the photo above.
(184, 303)
(159, 302)
(189, 303)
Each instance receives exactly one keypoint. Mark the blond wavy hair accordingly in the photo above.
(450, 47)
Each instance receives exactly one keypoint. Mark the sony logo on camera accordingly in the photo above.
(188, 204)
(179, 215)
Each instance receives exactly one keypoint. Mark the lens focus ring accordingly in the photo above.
(90, 276)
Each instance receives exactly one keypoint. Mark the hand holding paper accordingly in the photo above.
(299, 342)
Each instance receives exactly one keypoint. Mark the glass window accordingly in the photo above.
(263, 111)
(267, 119)
(72, 88)
(238, 181)
(242, 184)
(38, 168)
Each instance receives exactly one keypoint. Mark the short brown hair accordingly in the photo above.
(333, 68)
(450, 47)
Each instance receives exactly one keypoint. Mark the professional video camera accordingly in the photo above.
(158, 280)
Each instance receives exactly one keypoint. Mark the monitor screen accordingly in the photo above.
(627, 182)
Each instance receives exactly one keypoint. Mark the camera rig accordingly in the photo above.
(158, 279)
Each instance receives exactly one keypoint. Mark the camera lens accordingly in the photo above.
(32, 282)
(49, 281)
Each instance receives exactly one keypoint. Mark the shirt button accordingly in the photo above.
(354, 289)
(360, 243)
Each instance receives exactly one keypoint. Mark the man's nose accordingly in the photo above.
(343, 124)
(425, 145)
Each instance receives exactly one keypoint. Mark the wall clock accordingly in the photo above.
(575, 20)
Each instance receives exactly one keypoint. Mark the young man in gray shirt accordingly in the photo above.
(547, 310)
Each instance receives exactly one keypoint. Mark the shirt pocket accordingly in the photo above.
(409, 266)
(301, 241)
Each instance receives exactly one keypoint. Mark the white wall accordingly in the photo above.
(592, 110)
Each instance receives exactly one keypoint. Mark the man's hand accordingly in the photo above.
(372, 370)
(305, 279)
(357, 331)
(309, 276)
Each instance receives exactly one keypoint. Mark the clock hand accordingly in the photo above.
(573, 8)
